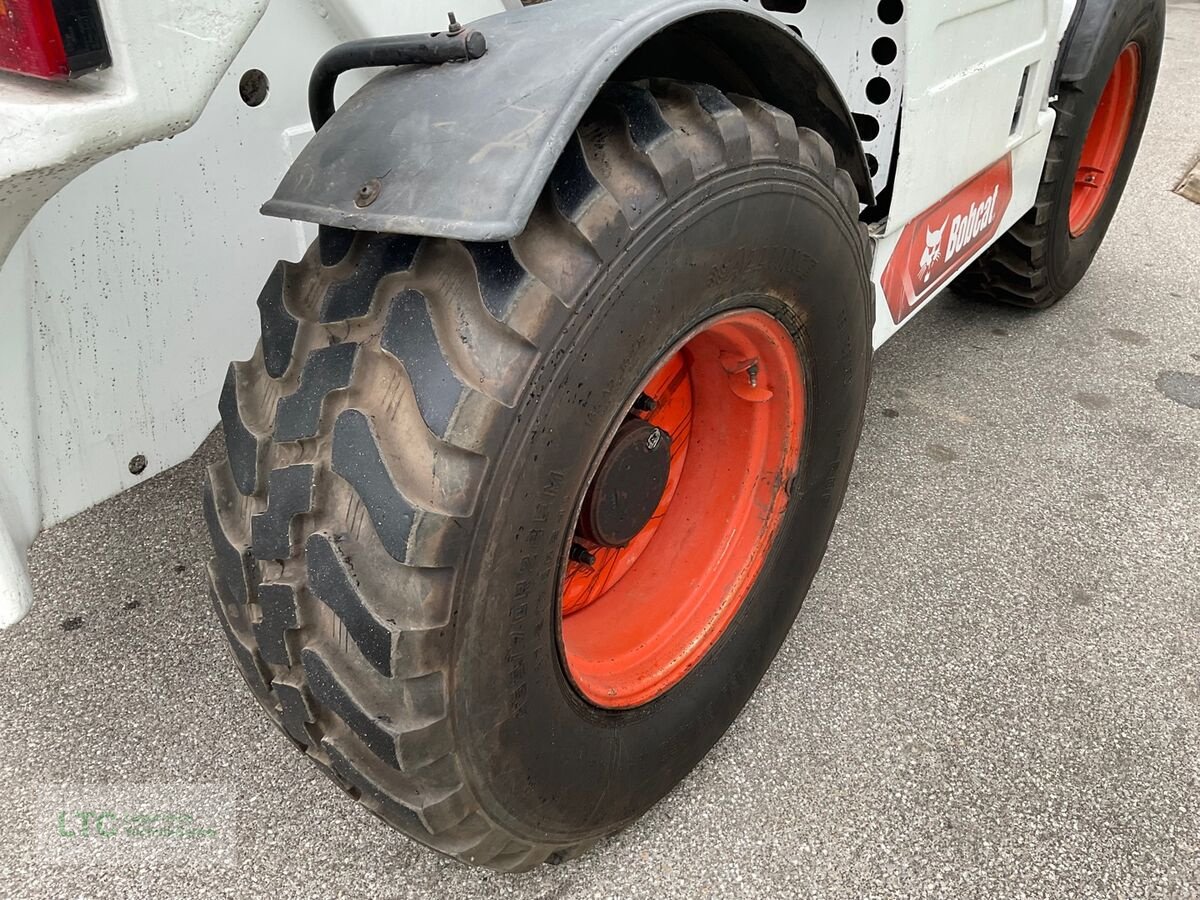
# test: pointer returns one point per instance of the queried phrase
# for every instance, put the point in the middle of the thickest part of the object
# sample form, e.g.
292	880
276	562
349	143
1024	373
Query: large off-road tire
410	447
1099	126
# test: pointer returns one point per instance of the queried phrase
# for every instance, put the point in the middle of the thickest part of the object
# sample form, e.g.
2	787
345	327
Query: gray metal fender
463	150
1084	35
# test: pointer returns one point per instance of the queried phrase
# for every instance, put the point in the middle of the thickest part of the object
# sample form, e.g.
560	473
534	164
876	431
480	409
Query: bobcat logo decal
934	245
933	250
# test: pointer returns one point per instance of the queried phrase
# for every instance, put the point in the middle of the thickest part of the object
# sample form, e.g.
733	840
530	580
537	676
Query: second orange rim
1104	145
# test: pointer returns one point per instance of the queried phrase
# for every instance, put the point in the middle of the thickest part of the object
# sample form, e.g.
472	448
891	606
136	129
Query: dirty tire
409	441
1039	261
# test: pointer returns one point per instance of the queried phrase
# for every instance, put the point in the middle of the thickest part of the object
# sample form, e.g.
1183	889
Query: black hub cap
628	485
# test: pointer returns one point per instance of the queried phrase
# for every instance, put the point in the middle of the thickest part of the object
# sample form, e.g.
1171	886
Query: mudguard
462	150
1085	33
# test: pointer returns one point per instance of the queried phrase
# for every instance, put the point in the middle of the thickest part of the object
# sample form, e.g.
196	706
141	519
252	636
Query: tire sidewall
542	761
1141	23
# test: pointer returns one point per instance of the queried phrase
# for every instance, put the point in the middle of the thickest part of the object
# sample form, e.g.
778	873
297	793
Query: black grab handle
456	45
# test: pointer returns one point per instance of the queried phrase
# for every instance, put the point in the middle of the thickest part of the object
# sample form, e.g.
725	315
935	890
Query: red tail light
52	38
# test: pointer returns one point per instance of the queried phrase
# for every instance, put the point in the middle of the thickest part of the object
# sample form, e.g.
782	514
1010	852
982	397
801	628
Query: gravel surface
993	689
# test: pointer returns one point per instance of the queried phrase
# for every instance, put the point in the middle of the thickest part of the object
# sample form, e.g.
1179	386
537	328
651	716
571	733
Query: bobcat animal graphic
933	250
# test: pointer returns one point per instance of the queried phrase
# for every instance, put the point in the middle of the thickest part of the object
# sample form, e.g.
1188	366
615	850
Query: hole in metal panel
878	91
890	11
1016	120
253	87
868	126
884	51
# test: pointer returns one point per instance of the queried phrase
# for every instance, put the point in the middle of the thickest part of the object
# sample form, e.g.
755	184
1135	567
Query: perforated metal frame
845	36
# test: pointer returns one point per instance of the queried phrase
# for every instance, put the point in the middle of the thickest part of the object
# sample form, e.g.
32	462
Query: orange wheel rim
729	403
1104	145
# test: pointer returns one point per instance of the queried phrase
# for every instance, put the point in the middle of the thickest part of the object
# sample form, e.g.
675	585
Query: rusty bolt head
580	554
645	403
368	193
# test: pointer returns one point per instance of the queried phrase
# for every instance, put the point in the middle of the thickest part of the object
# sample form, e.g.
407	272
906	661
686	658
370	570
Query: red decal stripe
937	243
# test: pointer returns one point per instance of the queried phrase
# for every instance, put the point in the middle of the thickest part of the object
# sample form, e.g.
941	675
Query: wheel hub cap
628	486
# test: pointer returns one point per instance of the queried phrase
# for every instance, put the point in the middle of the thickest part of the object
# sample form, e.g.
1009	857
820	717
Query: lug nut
645	403
580	554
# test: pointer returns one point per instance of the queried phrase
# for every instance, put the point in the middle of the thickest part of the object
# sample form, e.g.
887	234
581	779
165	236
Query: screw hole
253	87
137	465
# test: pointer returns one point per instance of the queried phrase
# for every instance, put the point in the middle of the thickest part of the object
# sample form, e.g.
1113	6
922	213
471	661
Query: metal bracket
457	44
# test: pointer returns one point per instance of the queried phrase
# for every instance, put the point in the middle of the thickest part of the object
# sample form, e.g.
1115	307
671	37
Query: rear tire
1044	256
409	446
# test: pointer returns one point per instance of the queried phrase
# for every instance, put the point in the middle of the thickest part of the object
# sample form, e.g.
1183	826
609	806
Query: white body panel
965	64
126	295
843	34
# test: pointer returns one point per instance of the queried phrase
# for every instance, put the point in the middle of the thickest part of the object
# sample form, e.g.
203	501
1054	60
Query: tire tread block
233	566
351	298
289	493
326	370
331	582
357	459
241	444
409	336
334	243
329	690
296	713
279	326
252	670
278	605
499	274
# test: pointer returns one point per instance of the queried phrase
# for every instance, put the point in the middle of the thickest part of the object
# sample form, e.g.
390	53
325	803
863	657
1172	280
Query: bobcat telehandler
547	428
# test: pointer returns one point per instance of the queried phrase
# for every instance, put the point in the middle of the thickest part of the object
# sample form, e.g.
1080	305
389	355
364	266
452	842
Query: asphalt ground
993	689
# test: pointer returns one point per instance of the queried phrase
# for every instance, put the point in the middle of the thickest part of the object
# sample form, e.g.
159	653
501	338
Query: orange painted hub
1104	145
636	619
